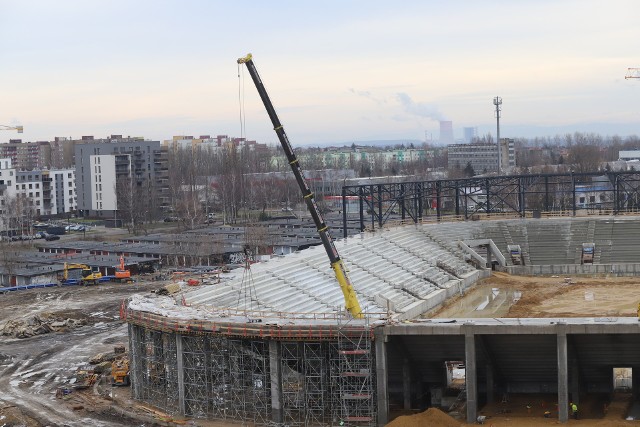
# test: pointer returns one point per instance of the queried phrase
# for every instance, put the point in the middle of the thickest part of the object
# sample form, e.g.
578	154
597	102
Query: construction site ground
503	295
33	369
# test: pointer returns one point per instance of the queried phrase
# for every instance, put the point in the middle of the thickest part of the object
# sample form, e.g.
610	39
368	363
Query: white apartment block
47	192
102	180
7	187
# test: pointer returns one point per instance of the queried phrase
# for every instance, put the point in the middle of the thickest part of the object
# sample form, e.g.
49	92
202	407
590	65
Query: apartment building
27	155
47	192
120	168
482	156
7	189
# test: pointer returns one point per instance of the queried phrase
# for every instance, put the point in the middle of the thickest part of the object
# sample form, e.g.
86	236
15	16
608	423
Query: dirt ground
503	295
33	369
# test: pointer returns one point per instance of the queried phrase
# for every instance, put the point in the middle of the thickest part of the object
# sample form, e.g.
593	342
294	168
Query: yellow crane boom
350	299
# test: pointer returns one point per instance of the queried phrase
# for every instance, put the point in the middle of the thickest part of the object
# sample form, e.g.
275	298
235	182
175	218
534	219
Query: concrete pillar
575	382
406	383
490	383
635	380
180	364
471	376
563	386
275	355
381	377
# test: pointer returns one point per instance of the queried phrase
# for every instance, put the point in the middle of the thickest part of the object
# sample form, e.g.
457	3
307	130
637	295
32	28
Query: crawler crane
351	300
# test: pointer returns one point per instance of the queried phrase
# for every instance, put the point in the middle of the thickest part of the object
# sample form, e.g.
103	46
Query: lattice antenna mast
497	101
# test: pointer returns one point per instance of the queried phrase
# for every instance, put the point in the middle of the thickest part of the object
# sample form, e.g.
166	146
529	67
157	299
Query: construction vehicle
121	274
120	371
79	273
588	250
516	254
351	300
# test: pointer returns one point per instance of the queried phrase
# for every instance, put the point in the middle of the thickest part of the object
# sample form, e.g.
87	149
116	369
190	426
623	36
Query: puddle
482	301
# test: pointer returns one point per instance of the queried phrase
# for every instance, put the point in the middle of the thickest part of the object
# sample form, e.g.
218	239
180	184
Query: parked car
171	219
50	237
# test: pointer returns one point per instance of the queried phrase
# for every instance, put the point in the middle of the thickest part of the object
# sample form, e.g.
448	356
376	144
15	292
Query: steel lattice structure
521	195
213	376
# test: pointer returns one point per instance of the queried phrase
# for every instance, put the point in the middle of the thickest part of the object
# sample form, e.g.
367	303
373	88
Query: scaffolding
153	374
292	384
355	377
219	377
211	375
194	363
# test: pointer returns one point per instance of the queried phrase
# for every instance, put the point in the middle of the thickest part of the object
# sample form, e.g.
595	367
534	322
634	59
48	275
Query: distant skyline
336	71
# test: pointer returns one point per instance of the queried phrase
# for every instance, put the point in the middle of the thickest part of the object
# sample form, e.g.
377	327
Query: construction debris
38	325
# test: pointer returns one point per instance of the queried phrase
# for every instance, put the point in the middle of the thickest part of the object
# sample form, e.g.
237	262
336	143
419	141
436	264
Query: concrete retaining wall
575	269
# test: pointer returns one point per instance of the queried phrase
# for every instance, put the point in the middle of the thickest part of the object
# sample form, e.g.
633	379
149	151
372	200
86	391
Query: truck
515	253
588	250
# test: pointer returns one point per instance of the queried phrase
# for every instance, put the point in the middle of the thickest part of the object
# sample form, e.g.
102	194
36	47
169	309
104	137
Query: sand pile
431	417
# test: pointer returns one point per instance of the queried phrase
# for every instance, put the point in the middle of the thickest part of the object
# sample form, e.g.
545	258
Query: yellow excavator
87	274
350	298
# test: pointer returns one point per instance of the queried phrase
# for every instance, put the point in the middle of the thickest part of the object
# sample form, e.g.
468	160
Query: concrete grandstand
272	345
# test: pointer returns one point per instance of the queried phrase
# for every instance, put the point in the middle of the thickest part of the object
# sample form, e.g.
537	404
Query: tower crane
351	300
18	128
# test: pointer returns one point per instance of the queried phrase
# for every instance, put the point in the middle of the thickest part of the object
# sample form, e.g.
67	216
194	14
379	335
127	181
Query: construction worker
574	410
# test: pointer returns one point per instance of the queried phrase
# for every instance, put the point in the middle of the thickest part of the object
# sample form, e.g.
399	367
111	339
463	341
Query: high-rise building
27	155
446	132
116	172
469	133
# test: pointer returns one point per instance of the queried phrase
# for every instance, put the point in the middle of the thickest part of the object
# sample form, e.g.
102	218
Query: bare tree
584	157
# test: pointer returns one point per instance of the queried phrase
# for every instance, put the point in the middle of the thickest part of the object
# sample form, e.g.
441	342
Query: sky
336	71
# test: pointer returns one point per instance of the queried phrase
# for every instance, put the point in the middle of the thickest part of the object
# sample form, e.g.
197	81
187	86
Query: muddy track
32	369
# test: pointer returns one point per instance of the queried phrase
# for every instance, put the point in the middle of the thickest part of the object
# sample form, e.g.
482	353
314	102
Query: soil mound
431	417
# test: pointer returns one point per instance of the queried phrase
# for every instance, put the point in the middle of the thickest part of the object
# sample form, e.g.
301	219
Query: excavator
121	274
350	298
87	274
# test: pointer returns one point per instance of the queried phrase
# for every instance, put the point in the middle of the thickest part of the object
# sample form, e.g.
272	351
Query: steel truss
614	192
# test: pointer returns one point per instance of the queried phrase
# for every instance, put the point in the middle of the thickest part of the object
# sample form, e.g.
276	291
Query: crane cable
241	101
